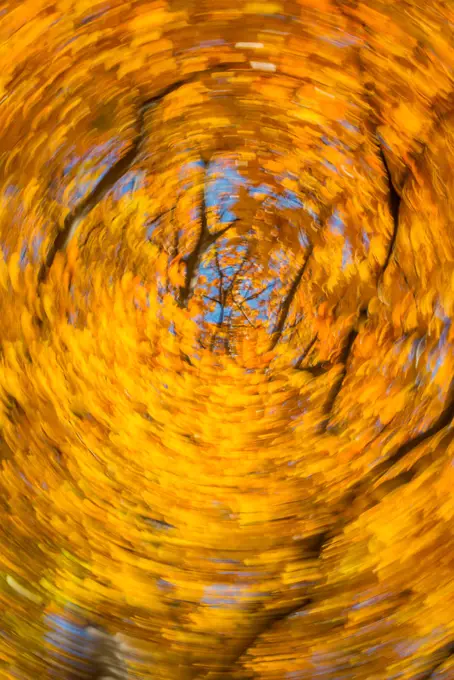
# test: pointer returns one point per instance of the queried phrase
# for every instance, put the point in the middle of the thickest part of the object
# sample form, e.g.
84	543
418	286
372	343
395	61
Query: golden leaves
150	431
158	18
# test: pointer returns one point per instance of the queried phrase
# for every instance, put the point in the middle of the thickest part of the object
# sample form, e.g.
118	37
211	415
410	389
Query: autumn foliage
226	349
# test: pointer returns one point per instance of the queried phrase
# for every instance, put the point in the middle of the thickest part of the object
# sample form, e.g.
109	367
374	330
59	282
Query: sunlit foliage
226	349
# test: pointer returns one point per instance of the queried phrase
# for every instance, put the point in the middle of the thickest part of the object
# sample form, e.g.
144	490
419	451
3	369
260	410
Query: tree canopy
226	349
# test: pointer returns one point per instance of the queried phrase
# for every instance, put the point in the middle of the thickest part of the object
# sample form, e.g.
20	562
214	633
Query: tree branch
444	419
204	241
280	323
370	480
305	353
240	307
192	261
313	548
222	296
344	359
74	218
208	297
156	219
394	208
256	295
217	235
231	289
116	172
445	653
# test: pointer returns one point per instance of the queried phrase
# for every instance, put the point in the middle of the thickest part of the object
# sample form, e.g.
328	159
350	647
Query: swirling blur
226	349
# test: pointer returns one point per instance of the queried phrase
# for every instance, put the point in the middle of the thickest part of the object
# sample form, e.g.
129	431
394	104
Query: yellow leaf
262	8
14	271
177	271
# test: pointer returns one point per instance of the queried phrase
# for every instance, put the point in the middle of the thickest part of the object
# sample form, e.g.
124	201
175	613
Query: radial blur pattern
226	349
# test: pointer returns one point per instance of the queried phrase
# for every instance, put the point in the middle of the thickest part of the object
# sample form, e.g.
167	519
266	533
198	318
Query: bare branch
306	352
256	295
238	271
217	235
157	218
176	242
344	359
208	297
192	261
226	338
394	208
222	296
204	241
279	327
240	307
